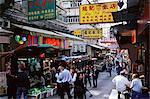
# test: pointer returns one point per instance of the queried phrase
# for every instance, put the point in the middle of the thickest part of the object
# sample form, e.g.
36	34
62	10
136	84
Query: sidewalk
103	89
114	95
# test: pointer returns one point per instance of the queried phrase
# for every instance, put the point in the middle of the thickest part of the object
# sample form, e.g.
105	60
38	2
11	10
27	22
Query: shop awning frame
96	46
69	36
5	32
37	30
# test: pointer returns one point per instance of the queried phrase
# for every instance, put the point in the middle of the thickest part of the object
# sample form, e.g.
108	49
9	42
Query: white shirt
121	82
65	76
74	77
136	85
57	76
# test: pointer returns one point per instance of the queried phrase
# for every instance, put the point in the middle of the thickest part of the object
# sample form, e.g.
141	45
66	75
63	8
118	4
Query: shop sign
97	13
70	43
3	79
20	39
79	48
3	83
41	9
35	40
132	34
77	33
133	39
92	33
66	43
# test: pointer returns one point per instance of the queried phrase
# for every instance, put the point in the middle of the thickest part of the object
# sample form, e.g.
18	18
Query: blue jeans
136	95
21	90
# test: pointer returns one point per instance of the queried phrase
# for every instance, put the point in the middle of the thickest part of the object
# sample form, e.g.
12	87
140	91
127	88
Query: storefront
31	46
143	39
5	51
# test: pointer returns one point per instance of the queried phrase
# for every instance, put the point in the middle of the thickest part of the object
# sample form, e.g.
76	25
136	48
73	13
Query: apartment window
73	19
76	19
75	3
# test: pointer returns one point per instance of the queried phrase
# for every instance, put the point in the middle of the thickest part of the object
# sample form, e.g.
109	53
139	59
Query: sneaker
90	95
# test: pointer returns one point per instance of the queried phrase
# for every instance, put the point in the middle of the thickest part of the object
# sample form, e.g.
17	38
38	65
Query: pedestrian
95	73
22	81
121	83
65	78
53	71
126	72
118	68
140	68
79	88
48	77
136	86
87	73
58	81
11	82
109	68
74	76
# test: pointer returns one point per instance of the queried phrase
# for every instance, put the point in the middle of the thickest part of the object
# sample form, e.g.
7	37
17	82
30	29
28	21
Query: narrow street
52	49
102	91
104	87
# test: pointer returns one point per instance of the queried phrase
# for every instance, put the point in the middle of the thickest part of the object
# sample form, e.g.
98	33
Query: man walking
95	76
121	83
87	73
65	78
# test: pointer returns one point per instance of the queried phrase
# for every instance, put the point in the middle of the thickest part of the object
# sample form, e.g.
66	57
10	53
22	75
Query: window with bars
72	19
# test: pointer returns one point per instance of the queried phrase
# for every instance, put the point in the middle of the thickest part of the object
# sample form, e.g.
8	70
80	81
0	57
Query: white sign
79	48
3	81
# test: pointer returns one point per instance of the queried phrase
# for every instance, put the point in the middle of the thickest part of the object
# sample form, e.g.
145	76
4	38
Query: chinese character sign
92	33
77	32
96	13
41	9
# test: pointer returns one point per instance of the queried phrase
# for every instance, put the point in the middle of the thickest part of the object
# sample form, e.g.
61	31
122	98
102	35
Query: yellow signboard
92	33
96	13
77	33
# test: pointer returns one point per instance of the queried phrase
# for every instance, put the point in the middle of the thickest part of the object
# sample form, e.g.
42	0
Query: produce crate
51	92
3	83
43	94
38	96
3	90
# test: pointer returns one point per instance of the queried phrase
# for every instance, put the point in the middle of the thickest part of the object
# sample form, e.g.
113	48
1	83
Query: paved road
103	89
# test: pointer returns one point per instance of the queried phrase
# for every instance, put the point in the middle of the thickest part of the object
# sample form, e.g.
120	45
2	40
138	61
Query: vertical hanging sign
41	10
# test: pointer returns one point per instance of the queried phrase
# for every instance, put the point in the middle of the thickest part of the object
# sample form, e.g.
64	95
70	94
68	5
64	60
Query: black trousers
11	92
65	87
88	79
119	93
94	82
127	96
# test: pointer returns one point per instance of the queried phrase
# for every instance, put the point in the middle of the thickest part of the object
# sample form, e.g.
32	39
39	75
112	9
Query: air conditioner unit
1	22
1	1
4	23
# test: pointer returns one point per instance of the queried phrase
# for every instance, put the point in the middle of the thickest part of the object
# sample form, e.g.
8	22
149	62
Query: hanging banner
97	13
92	33
41	9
